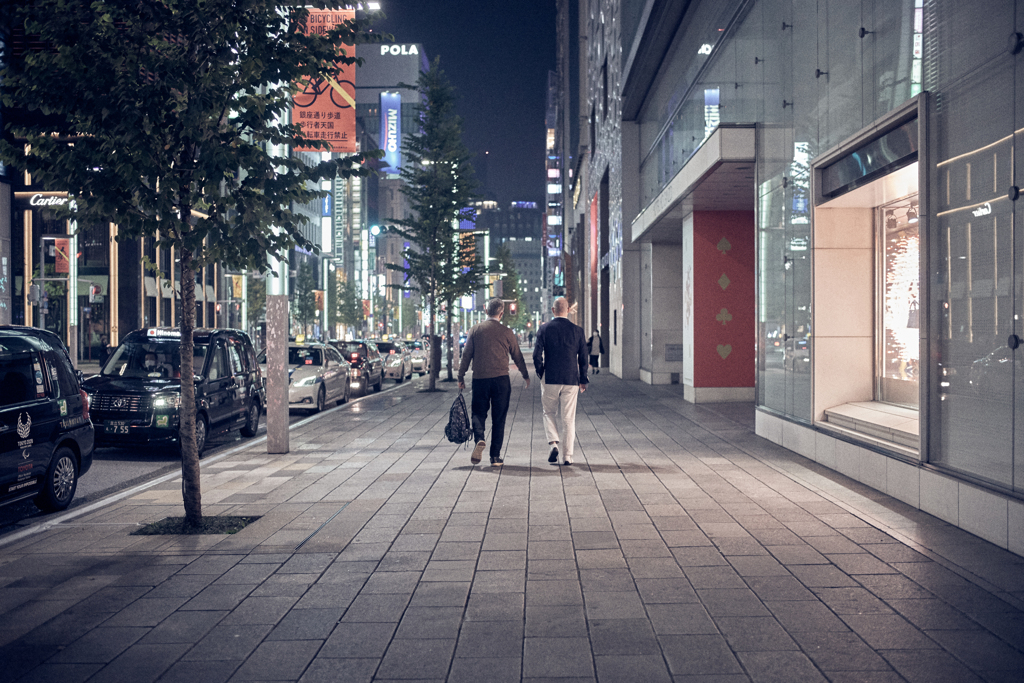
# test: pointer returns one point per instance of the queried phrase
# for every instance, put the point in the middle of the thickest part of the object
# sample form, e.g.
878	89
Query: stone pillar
277	374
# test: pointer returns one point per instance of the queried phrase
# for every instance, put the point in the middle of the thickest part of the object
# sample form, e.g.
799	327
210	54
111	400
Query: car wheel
252	420
61	482
321	400
380	382
401	376
201	431
345	394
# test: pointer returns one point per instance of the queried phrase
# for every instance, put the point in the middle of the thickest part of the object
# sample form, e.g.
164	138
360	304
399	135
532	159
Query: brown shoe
478	452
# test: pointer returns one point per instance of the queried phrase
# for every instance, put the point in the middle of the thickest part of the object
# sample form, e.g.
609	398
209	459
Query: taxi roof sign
162	332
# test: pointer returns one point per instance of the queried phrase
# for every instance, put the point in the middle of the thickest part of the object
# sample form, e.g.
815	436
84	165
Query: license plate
116	427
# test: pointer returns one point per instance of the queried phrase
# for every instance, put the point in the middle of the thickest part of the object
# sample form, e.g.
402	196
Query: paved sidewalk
679	547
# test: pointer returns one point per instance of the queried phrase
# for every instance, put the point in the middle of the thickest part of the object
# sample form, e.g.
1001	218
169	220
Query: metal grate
121	403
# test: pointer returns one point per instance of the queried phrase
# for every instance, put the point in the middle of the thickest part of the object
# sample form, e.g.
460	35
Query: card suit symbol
724	316
724	246
724	351
724	281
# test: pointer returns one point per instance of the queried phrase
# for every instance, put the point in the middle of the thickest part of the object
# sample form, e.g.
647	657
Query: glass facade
814	74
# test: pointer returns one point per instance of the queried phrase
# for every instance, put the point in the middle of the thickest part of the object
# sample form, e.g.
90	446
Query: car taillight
85	403
391	353
355	356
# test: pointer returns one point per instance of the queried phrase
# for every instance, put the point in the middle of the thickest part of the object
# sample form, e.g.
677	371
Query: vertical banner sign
391	131
60	250
236	286
318	295
325	108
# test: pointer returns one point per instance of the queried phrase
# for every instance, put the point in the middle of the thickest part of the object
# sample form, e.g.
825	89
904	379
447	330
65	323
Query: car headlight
307	381
167	401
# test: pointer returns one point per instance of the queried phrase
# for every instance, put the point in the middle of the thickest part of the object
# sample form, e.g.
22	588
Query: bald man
560	358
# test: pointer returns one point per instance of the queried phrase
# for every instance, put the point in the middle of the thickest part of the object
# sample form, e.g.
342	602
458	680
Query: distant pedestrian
489	346
104	350
596	347
560	358
531	338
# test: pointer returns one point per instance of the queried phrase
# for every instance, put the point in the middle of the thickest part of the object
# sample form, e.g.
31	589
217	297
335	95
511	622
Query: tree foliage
440	187
350	306
172	117
304	298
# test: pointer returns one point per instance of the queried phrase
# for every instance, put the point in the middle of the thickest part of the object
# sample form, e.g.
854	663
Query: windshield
156	360
301	356
349	349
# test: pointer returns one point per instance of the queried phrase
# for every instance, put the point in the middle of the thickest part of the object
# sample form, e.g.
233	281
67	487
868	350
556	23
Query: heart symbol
724	351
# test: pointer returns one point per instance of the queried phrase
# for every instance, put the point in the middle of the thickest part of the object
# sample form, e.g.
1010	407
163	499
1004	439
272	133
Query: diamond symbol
724	281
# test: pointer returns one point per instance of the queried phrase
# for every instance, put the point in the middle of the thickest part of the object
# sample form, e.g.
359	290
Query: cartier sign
983	210
36	200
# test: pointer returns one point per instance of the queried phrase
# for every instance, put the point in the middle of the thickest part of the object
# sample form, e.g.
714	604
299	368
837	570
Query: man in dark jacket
560	357
489	347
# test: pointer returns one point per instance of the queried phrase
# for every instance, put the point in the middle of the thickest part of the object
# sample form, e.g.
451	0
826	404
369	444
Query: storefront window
898	303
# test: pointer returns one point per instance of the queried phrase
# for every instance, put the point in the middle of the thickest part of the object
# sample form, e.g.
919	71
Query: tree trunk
190	490
448	336
435	349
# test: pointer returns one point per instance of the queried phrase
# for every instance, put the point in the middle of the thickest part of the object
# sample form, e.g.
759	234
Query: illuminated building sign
391	130
399	50
983	210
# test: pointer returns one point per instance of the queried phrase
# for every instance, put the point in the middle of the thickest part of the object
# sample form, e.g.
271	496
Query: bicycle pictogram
337	89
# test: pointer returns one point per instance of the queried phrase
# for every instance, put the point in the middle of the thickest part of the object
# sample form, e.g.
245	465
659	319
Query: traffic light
512	308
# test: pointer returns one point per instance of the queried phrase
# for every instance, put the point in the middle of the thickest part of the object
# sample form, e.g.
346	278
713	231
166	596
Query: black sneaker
497	462
553	456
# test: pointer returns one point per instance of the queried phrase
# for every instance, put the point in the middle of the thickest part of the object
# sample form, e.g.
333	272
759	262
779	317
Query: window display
899	304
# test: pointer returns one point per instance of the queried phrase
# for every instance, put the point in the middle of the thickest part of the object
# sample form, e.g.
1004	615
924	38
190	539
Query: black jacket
560	354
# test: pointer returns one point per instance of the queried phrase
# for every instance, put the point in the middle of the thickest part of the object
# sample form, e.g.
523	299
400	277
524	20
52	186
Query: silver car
420	352
317	375
397	360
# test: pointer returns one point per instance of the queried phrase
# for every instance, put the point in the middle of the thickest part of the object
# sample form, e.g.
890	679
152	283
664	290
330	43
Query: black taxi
135	398
46	438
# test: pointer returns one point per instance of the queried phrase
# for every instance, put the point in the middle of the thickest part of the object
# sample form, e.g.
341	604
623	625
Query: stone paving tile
681	548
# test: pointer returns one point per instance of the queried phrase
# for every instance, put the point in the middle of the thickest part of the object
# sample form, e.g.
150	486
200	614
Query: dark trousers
491	393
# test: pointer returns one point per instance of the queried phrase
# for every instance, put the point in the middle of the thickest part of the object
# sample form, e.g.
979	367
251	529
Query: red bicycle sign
337	89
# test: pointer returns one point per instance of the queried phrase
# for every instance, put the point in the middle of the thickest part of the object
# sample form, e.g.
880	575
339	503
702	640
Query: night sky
497	54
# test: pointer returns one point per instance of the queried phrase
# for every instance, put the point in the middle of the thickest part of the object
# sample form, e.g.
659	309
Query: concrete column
277	374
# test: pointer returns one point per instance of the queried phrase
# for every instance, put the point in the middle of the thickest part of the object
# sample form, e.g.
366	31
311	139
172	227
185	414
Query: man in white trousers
560	357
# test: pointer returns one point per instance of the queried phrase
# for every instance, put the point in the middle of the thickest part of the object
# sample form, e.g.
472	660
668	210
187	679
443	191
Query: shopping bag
459	429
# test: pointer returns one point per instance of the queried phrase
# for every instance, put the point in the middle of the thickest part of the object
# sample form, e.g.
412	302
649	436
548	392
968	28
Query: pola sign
397	50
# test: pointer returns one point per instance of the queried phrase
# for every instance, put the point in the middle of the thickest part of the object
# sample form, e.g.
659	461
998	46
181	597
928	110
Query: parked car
419	351
317	375
136	397
397	360
367	365
46	436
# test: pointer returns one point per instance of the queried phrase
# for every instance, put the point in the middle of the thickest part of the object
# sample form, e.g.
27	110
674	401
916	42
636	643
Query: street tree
350	306
305	296
167	118
510	288
438	181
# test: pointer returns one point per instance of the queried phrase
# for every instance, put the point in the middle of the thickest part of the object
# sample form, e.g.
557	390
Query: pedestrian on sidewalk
560	358
489	346
596	347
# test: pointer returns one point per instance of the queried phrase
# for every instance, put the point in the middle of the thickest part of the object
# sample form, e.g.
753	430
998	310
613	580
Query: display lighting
902	317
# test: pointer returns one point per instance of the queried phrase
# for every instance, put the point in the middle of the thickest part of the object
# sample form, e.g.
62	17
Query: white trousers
559	402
